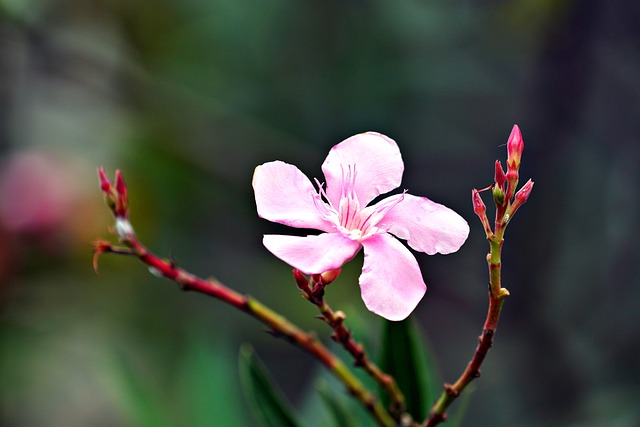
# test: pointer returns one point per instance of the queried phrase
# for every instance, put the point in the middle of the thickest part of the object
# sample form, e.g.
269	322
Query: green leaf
342	416
206	387
268	404
140	400
407	358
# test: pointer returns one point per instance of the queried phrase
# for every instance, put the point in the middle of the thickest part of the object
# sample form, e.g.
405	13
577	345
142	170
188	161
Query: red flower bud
105	184
121	190
478	205
330	276
121	187
481	210
521	197
108	191
301	281
523	194
515	146
500	176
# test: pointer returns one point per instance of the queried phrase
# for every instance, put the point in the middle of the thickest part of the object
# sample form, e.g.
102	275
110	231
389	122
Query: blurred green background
187	97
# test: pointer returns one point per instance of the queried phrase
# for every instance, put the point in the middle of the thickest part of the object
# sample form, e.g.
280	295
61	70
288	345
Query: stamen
349	205
376	215
324	206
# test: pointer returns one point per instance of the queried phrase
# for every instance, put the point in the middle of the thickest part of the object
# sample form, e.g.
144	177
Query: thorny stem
314	292
279	325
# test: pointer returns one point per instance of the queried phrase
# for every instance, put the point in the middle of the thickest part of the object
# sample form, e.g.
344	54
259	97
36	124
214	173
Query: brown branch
116	199
313	290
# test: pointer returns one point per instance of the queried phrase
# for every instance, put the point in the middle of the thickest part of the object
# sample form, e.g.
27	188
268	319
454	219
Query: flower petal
426	225
312	254
391	282
286	196
376	161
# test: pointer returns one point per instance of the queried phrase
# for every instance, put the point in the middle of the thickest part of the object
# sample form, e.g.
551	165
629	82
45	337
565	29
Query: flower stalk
313	290
506	205
116	199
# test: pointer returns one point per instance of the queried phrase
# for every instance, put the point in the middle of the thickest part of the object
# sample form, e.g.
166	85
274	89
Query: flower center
349	209
353	222
350	219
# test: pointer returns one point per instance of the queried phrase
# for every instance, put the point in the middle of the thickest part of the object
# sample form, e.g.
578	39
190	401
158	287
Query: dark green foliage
406	357
268	404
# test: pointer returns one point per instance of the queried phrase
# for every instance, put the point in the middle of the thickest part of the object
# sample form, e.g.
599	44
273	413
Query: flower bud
481	210
105	184
523	194
301	281
478	205
330	276
512	183
515	146
121	190
108	191
498	195
521	197
499	177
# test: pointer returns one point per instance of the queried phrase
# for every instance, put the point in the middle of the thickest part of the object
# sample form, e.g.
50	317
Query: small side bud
121	187
521	197
498	195
301	281
105	184
107	189
481	210
523	194
478	205
500	176
329	276
121	190
515	146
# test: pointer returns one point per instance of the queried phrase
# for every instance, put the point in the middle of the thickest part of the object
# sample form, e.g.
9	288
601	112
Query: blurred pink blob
36	193
45	195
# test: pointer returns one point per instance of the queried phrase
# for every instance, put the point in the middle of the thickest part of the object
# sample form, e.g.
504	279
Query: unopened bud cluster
116	198
504	186
313	289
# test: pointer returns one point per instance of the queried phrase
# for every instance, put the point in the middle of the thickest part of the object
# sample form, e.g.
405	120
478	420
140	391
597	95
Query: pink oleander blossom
357	170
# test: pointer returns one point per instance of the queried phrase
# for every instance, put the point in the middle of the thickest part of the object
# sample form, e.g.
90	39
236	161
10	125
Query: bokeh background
187	97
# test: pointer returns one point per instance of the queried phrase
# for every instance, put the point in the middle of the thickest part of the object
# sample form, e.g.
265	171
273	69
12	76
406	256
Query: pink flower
358	170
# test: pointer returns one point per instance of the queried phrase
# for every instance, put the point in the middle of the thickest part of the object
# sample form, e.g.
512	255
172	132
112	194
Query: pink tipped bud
121	190
105	184
121	187
478	205
301	281
515	146
108	191
521	197
512	183
481	210
500	176
330	276
523	194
